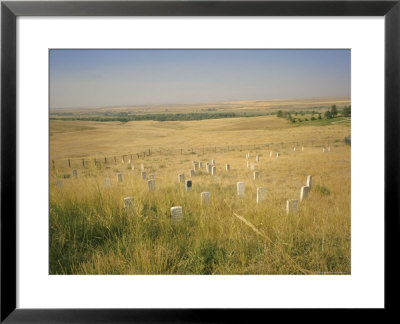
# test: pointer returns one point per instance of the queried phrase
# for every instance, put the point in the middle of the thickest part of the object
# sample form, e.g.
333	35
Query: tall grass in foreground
91	232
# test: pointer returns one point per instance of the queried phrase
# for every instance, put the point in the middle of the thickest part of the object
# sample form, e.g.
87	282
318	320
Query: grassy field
92	233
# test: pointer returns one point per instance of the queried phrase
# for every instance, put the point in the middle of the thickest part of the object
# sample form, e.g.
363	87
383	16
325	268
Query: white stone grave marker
251	166
60	183
176	214
128	202
261	194
119	177
292	206
255	175
152	184
228	167
181	178
75	173
309	181
191	173
205	198
143	174
108	182
240	188
304	192
214	171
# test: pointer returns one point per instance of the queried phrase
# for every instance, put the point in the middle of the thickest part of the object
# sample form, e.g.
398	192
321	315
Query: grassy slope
91	234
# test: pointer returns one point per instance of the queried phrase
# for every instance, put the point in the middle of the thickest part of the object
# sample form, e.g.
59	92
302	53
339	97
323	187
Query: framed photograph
197	160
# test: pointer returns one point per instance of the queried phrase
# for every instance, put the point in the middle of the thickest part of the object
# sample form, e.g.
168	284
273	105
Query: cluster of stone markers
291	204
176	211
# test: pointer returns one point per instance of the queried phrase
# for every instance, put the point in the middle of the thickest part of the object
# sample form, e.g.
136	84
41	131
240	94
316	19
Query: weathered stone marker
255	175
176	214
191	173
108	182
129	161
304	192
205	198
294	149
141	166
200	165
128	202
213	162
119	177
152	184
152	176
270	154
75	173
208	167
195	166
257	158
251	166
240	188
309	181
132	167
302	148
188	185
214	171
329	149
143	174
228	167
261	194
277	154
181	178
60	183
292	206
247	156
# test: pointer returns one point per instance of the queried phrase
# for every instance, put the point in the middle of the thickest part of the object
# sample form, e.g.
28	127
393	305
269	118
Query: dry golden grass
90	233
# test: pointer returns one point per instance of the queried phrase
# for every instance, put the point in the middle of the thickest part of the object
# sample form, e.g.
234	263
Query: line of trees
161	117
329	114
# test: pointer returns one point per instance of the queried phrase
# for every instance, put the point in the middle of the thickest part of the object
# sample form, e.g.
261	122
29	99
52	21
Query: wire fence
74	162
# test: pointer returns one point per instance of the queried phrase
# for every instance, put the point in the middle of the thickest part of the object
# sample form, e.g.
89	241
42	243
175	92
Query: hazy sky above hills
101	78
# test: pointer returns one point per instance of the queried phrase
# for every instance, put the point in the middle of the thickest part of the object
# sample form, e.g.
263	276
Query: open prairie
92	231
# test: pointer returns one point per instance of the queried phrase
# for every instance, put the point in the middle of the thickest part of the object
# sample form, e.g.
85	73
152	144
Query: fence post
83	162
53	164
69	163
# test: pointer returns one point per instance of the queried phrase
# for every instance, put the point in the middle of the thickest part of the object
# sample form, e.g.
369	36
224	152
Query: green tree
346	112
279	113
328	114
334	111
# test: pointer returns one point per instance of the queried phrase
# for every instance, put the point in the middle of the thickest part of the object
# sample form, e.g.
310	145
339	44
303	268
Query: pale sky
107	78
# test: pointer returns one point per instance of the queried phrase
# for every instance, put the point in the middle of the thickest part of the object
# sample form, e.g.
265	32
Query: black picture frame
10	10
